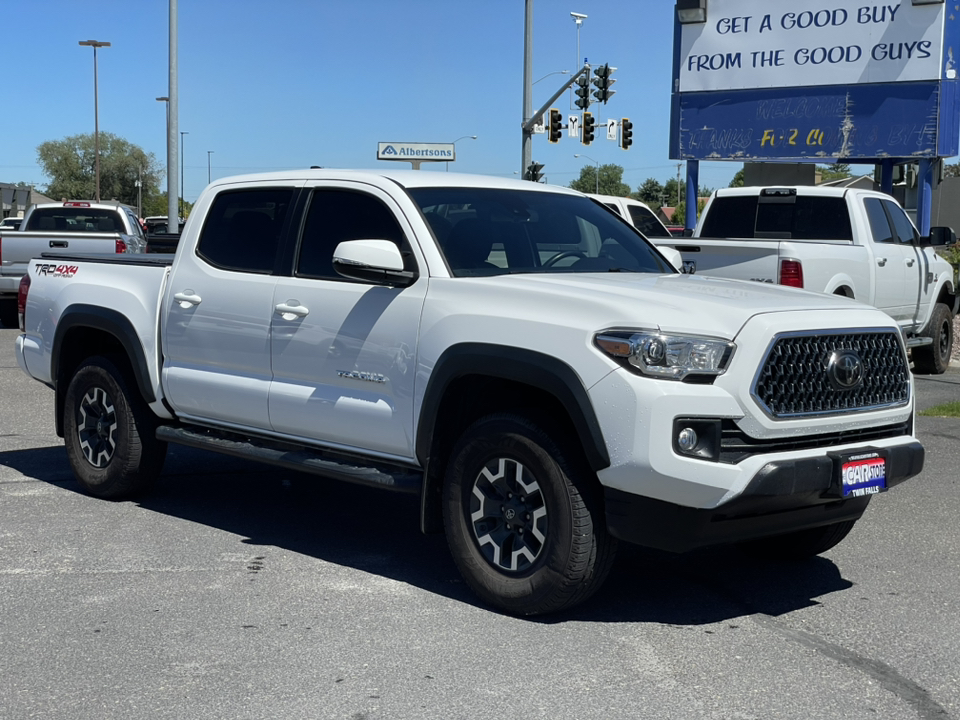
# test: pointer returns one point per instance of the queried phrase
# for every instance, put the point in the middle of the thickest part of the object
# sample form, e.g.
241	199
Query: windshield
485	231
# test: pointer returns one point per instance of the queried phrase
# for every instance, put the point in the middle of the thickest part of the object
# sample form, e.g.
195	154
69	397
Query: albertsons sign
796	43
415	151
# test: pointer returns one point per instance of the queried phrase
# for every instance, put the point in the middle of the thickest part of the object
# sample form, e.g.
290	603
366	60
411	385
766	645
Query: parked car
636	213
513	353
10	223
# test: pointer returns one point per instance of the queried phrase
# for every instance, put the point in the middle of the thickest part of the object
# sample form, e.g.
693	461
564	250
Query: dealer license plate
863	474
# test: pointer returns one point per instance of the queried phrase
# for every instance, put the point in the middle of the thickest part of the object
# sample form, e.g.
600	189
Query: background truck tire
800	544
8	314
935	358
109	432
524	522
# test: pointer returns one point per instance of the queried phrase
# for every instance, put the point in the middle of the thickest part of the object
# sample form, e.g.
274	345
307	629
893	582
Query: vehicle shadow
377	532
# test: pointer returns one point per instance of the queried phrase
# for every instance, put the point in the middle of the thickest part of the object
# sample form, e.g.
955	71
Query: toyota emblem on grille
845	369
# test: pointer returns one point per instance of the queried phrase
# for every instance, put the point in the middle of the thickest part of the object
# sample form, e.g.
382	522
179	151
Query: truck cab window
336	216
242	229
879	224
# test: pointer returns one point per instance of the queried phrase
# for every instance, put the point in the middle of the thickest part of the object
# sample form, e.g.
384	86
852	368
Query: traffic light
604	81
534	172
583	92
555	131
626	133
589	125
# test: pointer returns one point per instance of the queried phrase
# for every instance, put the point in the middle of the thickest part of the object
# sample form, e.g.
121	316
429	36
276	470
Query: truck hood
676	303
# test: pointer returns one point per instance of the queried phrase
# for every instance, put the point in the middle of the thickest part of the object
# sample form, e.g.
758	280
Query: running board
296	457
919	341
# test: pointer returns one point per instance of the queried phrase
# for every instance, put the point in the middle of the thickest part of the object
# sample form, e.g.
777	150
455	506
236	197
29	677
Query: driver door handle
881	261
909	262
292	307
187	297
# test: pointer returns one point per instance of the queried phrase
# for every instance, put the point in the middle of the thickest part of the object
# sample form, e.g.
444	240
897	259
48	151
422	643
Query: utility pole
96	113
173	127
527	142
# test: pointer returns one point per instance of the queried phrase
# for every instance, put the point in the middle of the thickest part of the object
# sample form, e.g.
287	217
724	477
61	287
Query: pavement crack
891	680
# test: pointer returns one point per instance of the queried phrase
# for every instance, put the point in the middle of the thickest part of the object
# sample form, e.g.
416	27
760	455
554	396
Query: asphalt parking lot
240	591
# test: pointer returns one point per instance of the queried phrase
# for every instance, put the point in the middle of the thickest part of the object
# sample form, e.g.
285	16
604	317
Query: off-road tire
109	432
800	544
935	358
508	476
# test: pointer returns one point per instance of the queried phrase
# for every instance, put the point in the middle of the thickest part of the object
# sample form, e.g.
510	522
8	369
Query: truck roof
800	190
404	178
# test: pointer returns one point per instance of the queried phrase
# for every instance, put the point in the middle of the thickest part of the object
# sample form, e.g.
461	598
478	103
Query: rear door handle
292	307
187	297
909	262
881	261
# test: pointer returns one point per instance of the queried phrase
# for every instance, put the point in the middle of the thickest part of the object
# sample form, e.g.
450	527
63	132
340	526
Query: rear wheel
935	358
800	544
109	432
523	520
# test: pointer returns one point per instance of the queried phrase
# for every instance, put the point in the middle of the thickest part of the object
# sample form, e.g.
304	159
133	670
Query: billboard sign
817	81
811	42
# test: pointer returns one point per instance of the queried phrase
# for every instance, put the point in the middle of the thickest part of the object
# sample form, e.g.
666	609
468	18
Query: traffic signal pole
526	155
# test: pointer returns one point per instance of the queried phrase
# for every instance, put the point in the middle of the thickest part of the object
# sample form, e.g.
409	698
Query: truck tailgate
19	247
123	292
738	259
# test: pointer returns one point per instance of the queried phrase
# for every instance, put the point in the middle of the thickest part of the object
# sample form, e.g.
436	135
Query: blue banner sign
818	124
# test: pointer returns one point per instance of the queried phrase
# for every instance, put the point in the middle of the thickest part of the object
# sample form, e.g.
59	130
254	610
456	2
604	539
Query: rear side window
242	229
336	216
646	222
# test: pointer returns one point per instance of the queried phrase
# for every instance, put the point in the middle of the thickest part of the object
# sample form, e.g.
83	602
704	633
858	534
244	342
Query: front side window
486	231
336	216
879	224
904	229
646	222
242	229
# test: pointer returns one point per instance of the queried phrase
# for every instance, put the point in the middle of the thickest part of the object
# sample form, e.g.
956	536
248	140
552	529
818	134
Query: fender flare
841	280
529	367
111	322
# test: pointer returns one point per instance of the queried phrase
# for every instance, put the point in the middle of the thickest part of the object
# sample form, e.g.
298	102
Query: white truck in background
636	213
70	227
850	242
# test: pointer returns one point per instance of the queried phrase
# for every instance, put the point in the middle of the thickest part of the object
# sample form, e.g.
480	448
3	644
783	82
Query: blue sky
294	83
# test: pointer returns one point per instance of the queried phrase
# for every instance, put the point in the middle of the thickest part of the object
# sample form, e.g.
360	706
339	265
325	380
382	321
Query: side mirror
673	255
688	232
939	237
373	261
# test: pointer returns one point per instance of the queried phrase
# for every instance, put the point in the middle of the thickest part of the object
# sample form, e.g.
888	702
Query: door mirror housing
372	261
939	237
673	255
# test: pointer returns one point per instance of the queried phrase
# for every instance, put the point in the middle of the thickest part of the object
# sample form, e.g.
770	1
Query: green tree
680	216
952	170
71	163
651	192
836	171
610	181
737	180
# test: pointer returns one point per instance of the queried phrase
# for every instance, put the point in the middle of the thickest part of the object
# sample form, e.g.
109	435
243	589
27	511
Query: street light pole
96	113
182	133
578	155
454	143
209	153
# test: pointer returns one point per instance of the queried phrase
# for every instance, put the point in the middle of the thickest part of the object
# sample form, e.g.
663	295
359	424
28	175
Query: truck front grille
807	374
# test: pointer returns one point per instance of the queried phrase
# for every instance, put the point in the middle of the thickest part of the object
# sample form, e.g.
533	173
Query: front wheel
524	522
935	357
109	432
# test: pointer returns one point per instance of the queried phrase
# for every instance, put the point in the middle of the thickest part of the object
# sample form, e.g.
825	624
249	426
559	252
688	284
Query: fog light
687	439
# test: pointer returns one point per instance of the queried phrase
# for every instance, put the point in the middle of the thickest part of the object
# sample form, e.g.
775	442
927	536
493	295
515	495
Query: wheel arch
87	330
471	380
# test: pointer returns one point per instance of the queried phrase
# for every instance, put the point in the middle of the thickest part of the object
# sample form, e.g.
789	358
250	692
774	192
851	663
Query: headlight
667	356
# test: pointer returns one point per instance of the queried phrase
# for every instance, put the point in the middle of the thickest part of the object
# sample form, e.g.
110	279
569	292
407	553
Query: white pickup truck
71	226
841	241
513	353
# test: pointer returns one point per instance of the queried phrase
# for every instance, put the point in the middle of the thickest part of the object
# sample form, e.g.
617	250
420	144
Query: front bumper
784	496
